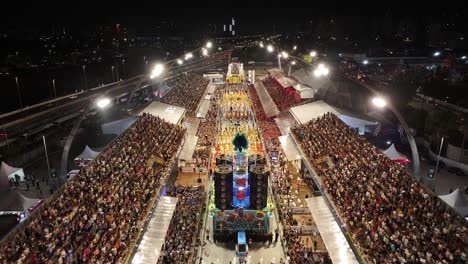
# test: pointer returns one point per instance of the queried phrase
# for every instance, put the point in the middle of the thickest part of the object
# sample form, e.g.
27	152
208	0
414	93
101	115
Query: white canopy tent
12	200
394	155
457	201
87	155
9	172
305	113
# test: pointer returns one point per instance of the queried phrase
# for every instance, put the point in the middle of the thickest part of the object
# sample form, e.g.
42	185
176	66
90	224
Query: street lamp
284	54
436	54
123	68
180	62
295	48
261	45
84	74
209	45
103	102
156	72
19	93
279	61
313	53
112	69
381	103
205	52
53	84
365	62
270	48
321	70
289	70
188	56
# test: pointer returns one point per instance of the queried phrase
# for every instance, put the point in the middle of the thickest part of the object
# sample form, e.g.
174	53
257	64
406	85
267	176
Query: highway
39	117
23	122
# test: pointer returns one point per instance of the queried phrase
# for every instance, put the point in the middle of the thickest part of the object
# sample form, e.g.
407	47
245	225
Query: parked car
456	171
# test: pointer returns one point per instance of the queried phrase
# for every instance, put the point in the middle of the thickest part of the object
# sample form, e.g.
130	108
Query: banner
304	230
299	210
241	220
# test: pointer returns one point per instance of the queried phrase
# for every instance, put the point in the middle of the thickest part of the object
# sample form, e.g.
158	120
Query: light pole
47	159
112	69
19	93
53	84
123	67
381	103
289	70
279	62
438	159
84	75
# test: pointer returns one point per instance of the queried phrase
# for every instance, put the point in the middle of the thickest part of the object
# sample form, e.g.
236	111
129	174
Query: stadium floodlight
270	48
103	102
379	102
321	70
157	70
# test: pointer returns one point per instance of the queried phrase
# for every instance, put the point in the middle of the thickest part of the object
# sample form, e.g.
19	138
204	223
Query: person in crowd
187	92
97	215
282	100
182	238
392	218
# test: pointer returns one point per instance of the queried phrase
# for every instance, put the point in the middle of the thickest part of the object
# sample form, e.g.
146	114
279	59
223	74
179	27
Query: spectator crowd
282	100
391	217
187	92
183	236
97	215
267	126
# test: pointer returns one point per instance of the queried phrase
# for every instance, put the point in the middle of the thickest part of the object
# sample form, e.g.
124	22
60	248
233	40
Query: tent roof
7	169
457	201
300	87
315	83
87	154
170	113
393	154
275	72
12	200
305	113
285	82
290	148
